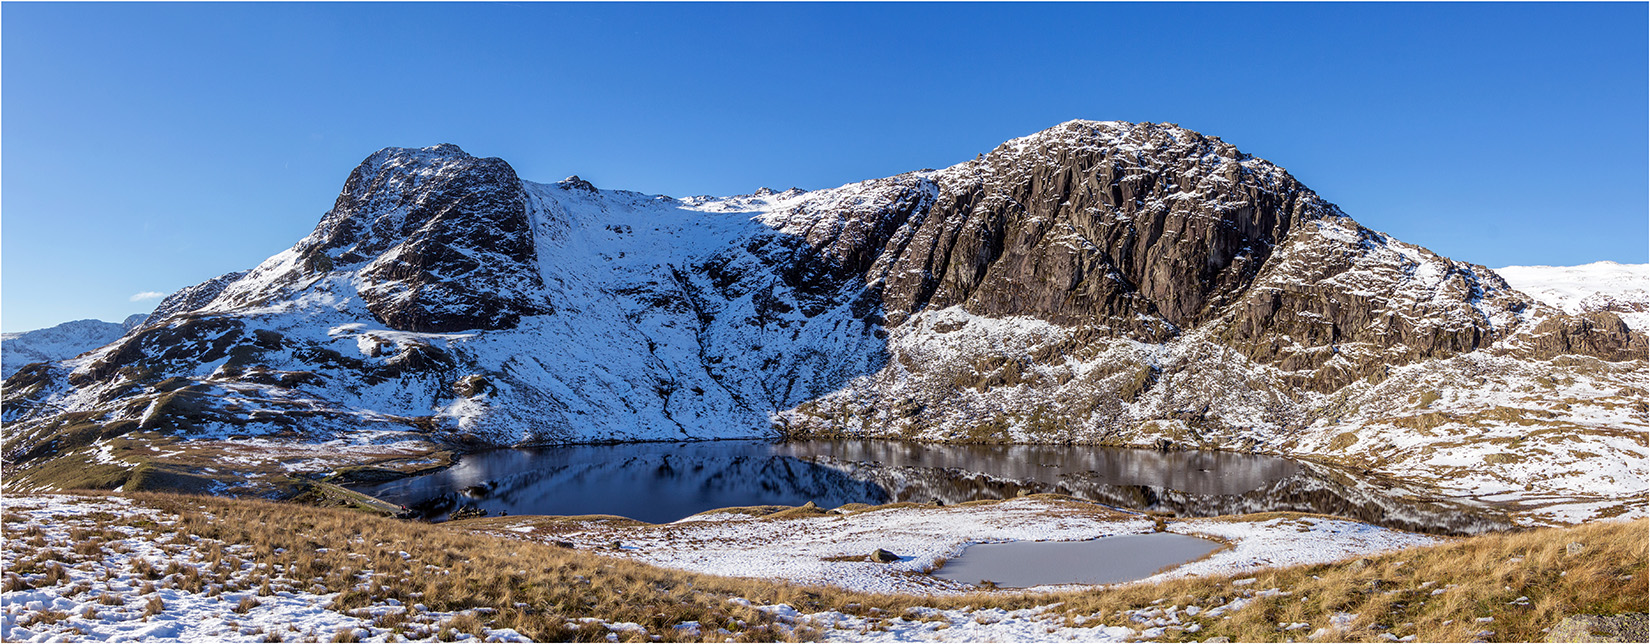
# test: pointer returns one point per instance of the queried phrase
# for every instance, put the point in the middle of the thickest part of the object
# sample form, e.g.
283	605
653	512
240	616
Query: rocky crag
1097	282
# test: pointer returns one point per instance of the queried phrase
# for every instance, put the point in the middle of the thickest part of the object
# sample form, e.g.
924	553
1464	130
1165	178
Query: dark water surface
1110	560
662	482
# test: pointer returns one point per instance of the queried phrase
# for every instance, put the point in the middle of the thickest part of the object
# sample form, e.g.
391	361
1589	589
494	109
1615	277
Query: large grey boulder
1627	627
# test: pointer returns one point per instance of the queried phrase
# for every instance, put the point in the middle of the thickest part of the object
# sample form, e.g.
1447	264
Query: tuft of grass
43	617
247	604
55	574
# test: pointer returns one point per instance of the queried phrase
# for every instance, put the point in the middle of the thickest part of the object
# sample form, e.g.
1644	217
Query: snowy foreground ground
108	598
832	549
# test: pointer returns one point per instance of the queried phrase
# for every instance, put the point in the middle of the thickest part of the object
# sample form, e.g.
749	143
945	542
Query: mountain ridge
1097	282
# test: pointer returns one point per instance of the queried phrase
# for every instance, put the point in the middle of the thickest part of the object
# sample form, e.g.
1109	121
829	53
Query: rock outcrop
1599	334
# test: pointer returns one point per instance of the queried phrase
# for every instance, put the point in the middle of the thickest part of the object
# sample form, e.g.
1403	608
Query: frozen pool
1109	560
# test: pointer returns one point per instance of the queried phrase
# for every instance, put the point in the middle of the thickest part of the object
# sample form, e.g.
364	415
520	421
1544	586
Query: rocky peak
433	238
575	183
1107	223
398	192
1146	231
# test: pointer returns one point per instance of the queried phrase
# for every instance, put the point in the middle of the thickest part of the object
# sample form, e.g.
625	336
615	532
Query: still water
1101	561
662	482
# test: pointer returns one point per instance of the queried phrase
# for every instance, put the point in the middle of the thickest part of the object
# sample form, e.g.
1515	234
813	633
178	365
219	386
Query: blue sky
147	147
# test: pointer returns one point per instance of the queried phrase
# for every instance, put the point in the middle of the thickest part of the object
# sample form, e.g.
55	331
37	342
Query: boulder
1626	627
467	512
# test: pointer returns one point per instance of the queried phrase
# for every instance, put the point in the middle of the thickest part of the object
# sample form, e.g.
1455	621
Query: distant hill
60	342
1622	289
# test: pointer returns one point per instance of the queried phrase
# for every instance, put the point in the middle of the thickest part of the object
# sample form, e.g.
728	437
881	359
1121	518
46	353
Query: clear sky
147	147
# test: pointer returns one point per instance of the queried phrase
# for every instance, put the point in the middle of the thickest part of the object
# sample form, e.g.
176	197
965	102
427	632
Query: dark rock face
174	346
441	240
445	238
1100	223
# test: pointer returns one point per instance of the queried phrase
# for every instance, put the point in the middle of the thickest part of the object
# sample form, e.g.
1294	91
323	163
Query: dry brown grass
536	589
543	591
246	605
1480	577
1390	594
43	617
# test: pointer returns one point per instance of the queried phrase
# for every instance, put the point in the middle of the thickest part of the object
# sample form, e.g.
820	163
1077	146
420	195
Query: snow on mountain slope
1622	289
658	319
1097	282
60	342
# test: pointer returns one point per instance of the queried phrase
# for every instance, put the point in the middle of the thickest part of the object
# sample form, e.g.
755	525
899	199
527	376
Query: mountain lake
660	482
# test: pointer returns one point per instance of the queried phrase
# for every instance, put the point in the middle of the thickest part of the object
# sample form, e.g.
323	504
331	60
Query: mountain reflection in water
662	482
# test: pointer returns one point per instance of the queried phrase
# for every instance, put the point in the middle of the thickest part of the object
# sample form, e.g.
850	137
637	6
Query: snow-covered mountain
1097	282
1621	289
60	342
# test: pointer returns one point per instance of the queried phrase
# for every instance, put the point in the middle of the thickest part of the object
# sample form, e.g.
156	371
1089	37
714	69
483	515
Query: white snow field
1623	289
832	549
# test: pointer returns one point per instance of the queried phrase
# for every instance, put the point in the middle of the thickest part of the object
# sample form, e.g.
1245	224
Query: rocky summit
1097	282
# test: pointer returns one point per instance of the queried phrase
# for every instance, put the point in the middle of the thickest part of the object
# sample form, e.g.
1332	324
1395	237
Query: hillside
1097	282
